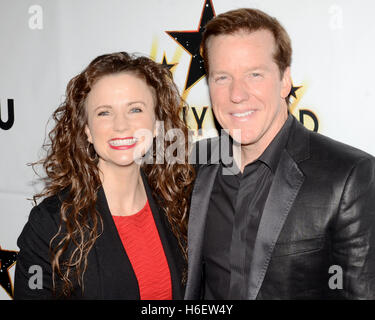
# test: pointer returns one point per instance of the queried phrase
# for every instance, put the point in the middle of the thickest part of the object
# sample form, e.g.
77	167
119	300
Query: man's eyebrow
212	73
259	67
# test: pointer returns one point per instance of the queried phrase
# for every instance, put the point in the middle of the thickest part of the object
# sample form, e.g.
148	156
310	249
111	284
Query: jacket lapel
169	242
197	221
116	275
285	187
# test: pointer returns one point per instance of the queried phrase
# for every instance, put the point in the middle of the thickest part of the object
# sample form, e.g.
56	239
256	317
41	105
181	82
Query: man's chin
242	141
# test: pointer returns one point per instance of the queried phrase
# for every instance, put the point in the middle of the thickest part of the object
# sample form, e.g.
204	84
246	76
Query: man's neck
251	152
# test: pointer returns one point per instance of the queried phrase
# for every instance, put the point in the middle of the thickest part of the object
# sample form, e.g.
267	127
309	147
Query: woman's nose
120	123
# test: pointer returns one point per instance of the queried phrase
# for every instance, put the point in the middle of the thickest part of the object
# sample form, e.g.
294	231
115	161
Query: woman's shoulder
42	224
48	210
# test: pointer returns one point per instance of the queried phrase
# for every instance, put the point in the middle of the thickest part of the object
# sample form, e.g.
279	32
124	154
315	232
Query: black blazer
109	273
320	212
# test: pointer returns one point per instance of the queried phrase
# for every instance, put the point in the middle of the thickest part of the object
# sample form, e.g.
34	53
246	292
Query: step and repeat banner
44	43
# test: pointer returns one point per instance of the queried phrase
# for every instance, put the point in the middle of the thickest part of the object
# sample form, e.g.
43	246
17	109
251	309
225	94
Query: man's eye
255	74
221	78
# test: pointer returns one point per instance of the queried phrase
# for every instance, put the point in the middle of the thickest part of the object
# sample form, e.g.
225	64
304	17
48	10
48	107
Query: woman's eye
103	113
135	110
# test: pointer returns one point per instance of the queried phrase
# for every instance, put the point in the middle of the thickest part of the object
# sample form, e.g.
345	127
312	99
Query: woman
110	227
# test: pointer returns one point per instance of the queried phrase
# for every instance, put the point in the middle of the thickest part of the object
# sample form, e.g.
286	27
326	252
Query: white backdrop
44	43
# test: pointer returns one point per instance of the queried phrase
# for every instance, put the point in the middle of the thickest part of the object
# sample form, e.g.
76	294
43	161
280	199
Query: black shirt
234	212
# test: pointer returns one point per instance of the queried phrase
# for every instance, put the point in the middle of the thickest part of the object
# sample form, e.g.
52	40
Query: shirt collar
270	155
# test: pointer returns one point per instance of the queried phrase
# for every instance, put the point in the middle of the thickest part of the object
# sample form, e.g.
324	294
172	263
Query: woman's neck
124	189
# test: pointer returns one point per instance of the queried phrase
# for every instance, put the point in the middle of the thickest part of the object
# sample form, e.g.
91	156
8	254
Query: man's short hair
249	20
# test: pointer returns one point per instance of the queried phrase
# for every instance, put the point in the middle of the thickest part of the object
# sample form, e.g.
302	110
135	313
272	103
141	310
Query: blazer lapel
116	274
285	187
169	242
197	221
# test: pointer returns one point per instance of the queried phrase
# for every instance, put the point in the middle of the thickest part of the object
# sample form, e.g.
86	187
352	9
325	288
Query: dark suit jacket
109	274
320	212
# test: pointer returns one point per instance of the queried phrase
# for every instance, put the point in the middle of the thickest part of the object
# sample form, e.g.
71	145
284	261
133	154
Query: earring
89	153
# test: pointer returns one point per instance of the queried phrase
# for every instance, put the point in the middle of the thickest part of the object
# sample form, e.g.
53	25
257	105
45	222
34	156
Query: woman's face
121	119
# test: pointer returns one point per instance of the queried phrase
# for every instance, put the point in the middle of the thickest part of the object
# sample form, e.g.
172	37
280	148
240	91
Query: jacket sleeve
353	245
33	268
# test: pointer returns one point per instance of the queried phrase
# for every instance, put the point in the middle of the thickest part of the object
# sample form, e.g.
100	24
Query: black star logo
190	41
293	91
164	62
7	260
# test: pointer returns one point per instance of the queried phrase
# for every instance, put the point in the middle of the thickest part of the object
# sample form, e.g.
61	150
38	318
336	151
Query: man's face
246	89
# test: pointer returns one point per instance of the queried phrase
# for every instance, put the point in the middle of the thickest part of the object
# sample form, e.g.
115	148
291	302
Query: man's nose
238	91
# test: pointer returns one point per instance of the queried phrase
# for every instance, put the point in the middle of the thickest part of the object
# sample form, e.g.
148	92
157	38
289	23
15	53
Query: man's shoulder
320	155
327	149
313	147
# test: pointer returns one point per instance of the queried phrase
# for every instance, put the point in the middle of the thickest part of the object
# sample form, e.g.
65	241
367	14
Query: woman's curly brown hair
70	167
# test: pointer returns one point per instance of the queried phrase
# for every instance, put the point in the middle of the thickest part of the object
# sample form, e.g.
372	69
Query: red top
142	244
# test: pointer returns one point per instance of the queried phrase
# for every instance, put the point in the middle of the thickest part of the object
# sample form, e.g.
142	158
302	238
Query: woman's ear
88	133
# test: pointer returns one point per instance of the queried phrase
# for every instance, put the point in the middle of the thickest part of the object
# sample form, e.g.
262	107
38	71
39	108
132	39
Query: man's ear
88	133
286	83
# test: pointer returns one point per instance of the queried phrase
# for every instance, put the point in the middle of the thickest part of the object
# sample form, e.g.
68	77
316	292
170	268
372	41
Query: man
297	219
